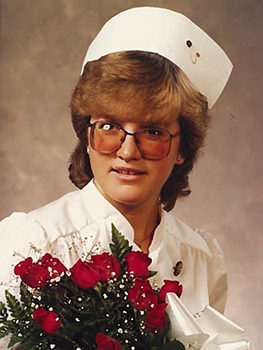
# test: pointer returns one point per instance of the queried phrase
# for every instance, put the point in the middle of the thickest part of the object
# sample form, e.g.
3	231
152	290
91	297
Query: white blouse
71	226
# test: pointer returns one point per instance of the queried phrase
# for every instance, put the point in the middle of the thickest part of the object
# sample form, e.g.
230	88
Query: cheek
95	162
100	163
163	171
168	163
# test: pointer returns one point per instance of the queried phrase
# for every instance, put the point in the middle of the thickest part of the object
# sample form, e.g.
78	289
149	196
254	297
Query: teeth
127	172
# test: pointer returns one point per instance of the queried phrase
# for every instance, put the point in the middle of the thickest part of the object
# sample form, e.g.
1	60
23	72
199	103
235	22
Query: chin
127	200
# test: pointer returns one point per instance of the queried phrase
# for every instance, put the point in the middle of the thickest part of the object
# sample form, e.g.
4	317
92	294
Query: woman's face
124	178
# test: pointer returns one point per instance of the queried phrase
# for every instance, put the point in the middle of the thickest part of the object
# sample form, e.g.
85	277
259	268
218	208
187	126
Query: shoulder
18	234
195	238
64	215
18	224
211	242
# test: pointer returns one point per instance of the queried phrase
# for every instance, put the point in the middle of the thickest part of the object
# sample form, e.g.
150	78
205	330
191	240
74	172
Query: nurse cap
171	35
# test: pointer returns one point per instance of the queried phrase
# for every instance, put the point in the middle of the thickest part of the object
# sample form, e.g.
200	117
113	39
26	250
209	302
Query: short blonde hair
146	85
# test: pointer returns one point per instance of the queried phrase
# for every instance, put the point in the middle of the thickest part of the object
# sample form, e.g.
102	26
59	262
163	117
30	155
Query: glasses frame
93	125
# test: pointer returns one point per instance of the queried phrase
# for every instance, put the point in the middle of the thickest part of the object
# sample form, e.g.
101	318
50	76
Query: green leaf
172	345
4	332
26	296
31	340
71	329
152	273
14	305
120	246
14	340
3	311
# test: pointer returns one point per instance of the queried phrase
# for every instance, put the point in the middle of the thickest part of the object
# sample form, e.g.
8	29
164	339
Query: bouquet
105	302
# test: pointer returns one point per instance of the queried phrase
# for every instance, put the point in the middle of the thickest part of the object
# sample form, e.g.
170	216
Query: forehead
134	113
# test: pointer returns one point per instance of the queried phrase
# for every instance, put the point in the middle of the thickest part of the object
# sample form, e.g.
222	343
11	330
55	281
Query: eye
151	132
106	126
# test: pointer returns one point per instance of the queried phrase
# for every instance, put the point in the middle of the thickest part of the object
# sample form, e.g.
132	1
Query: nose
129	149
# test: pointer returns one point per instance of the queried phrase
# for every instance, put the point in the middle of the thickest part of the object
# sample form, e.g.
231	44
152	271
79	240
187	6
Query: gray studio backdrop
43	43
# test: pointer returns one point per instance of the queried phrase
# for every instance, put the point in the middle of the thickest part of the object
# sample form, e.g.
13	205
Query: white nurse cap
171	35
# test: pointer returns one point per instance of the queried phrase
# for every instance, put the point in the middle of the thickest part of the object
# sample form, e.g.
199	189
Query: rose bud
53	265
32	274
170	287
106	343
137	264
156	320
107	266
142	296
49	320
84	274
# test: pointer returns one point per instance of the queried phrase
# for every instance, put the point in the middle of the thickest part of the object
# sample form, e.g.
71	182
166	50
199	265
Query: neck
144	219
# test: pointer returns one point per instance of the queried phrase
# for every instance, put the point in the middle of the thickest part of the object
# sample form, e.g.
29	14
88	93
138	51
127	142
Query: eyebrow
154	124
142	125
109	118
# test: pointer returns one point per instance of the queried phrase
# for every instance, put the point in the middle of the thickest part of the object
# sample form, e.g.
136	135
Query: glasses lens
106	137
153	143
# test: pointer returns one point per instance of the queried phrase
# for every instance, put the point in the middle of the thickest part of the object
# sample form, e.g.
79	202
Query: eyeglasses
153	143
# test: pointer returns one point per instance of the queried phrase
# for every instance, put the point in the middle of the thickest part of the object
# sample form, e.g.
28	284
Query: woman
141	115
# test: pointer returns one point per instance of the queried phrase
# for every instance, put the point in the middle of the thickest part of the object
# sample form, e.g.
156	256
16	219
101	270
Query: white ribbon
208	330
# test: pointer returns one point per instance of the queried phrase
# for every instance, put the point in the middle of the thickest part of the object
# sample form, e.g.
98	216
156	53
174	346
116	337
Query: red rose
84	274
137	264
32	274
23	266
170	287
54	265
49	320
107	265
142	296
156	319
106	343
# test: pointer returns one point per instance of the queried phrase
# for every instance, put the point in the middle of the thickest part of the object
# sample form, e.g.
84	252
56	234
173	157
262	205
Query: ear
179	159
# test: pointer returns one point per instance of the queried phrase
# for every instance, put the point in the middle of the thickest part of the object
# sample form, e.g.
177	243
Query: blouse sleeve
217	277
19	234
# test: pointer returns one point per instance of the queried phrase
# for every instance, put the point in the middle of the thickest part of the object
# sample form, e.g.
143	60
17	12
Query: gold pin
178	268
193	57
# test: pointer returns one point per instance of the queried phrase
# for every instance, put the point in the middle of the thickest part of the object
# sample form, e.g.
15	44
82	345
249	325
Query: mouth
128	171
